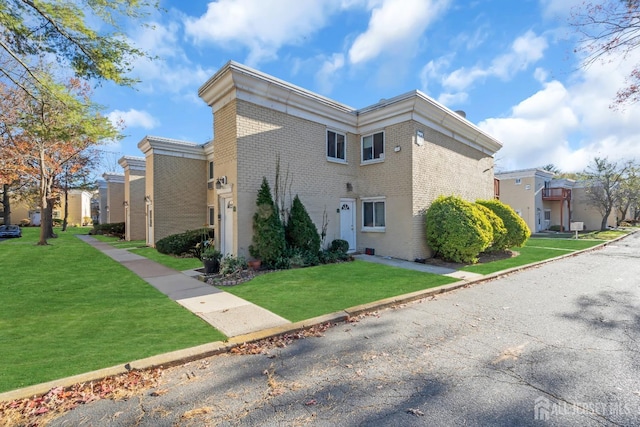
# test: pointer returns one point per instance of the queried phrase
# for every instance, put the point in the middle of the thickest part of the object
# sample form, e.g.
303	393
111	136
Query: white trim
172	147
132	163
236	81
117	178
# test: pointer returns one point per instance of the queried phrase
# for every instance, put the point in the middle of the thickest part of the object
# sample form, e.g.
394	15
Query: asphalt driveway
554	345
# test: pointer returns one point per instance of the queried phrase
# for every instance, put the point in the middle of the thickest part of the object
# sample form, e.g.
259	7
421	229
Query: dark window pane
340	147
368	214
367	148
331	144
379	214
378	145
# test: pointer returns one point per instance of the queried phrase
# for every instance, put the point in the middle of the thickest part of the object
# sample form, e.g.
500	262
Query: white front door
226	225
348	222
149	225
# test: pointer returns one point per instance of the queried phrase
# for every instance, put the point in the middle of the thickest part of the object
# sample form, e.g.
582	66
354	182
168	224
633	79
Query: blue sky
510	65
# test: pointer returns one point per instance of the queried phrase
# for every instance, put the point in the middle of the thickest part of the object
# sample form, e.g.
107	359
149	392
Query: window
373	214
210	171
373	147
547	215
212	217
518	181
336	146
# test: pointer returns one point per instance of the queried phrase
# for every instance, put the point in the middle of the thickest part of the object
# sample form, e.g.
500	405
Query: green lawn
535	250
168	260
68	309
139	247
300	294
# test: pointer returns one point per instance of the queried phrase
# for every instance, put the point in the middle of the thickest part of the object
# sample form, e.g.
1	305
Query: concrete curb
210	349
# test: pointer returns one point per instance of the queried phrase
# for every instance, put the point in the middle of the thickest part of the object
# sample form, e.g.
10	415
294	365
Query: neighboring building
545	202
366	176
102	202
134	193
79	208
115	198
175	187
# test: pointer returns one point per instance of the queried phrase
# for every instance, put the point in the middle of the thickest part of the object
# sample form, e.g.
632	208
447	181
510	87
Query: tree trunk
66	208
603	225
49	214
6	203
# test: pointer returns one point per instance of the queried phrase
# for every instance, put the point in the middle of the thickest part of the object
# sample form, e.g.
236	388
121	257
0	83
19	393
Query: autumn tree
610	29
603	179
65	31
52	129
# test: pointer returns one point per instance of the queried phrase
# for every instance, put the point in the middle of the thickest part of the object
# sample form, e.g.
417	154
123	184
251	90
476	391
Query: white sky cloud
326	75
525	50
261	26
394	24
133	118
570	124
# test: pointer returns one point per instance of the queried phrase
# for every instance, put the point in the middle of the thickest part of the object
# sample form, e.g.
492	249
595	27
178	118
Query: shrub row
459	231
183	243
112	229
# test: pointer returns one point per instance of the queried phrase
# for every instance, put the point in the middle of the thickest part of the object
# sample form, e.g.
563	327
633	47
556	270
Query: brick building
365	175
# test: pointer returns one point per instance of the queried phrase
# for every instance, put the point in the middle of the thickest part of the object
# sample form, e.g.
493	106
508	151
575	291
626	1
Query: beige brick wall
149	192
263	134
136	211
115	198
443	166
179	194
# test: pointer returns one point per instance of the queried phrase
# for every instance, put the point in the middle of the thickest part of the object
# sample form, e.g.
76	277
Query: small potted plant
211	259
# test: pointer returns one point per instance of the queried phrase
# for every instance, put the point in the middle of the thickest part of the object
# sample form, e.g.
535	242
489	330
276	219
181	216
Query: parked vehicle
10	231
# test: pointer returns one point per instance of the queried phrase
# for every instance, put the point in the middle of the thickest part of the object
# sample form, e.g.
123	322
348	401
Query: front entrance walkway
425	268
228	313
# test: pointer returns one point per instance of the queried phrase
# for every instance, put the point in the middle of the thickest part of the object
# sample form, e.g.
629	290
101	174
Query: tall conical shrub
301	233
269	242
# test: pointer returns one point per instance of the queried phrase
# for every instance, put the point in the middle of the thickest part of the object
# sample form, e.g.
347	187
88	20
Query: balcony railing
556	194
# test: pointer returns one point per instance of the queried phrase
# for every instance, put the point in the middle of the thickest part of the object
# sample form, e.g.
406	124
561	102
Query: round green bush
499	231
517	230
457	230
182	243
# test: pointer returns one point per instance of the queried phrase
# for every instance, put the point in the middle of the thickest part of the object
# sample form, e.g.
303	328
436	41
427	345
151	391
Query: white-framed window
518	181
336	146
211	216
372	147
210	172
547	215
374	214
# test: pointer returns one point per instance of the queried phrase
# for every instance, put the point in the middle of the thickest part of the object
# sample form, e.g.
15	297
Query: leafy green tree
63	29
457	230
269	244
517	229
301	233
48	131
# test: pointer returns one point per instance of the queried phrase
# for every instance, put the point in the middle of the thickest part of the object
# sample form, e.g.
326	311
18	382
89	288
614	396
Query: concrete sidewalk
229	314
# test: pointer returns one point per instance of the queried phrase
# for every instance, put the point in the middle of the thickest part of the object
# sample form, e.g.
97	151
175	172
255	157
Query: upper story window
518	181
336	146
210	171
373	147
